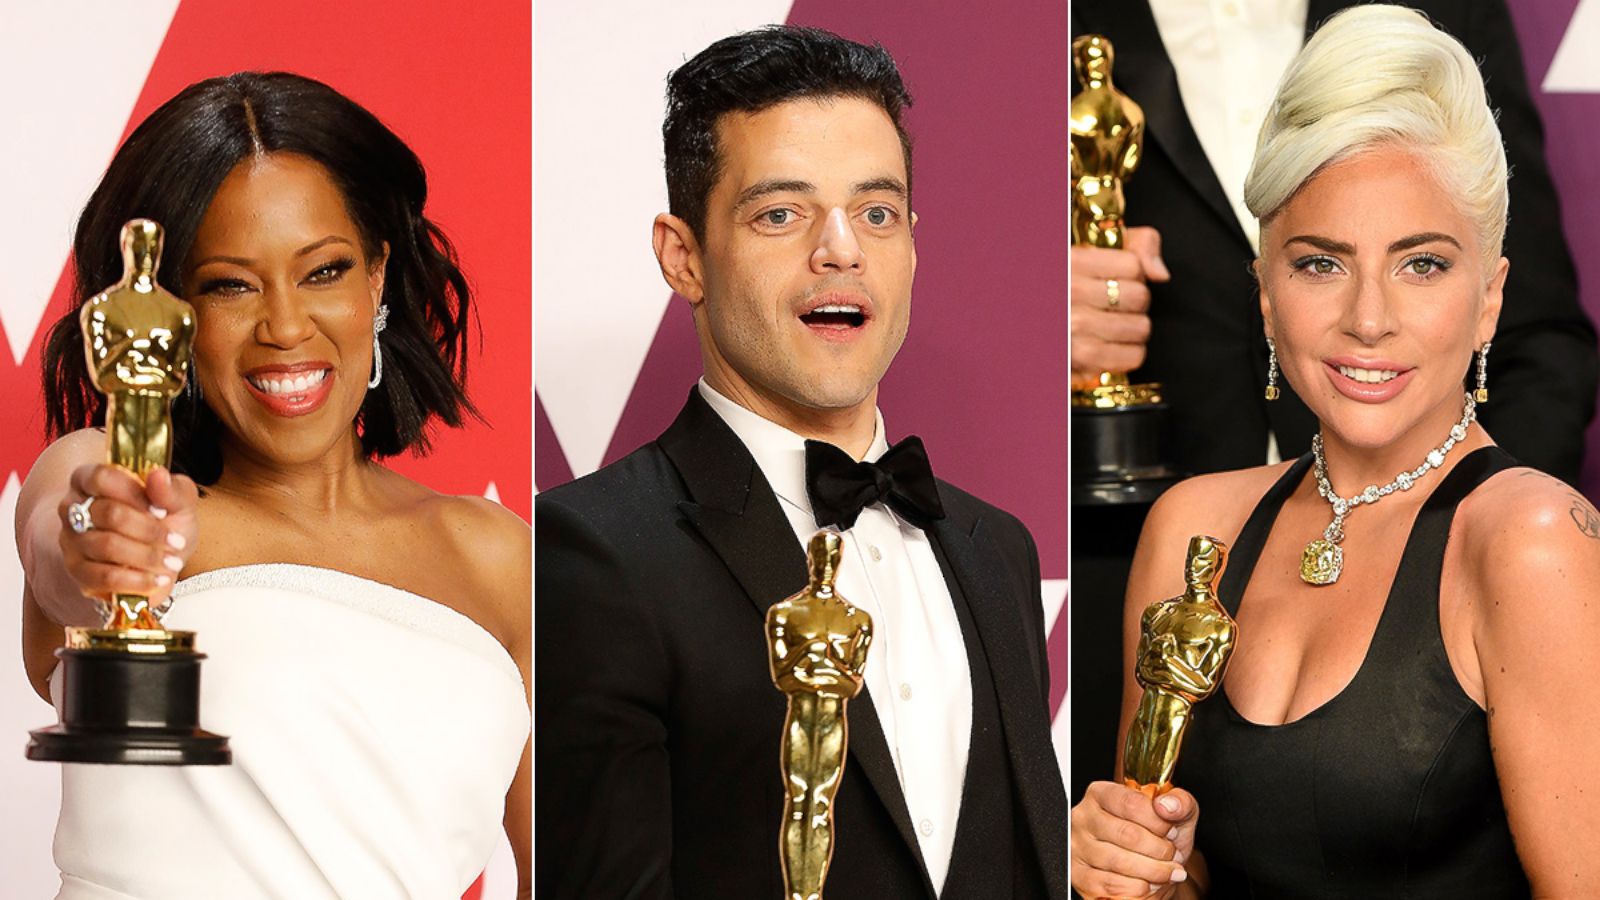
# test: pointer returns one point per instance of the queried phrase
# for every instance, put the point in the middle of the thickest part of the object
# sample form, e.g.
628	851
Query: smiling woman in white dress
368	639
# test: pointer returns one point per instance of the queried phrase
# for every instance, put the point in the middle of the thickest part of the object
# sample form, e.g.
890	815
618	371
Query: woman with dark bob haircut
367	638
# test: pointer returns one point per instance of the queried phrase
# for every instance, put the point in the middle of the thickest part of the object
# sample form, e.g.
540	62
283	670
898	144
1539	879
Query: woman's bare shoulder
492	549
1217	504
1525	527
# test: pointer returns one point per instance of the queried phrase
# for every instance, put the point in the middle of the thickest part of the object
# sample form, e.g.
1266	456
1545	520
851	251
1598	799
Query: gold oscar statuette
1118	426
817	645
1184	644
131	687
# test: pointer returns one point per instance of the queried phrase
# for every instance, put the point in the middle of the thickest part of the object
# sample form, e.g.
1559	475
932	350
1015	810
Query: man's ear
678	254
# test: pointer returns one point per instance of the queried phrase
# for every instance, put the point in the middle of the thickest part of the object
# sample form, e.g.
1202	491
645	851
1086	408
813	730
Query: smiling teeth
837	308
1368	376
298	384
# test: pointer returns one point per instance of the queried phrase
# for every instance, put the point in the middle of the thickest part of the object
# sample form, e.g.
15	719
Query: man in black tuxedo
1188	270
657	726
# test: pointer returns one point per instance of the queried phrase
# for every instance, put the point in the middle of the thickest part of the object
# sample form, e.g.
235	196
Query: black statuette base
1118	455
130	709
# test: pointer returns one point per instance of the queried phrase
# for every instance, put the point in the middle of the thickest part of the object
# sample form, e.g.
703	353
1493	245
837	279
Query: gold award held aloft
1106	143
1184	645
131	688
137	340
817	645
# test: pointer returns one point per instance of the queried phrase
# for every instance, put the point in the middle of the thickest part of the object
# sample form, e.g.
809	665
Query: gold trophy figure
136	339
1107	137
131	687
1117	426
817	644
1184	644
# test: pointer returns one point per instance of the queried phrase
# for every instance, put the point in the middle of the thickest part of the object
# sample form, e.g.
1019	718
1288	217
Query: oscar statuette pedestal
1119	428
131	689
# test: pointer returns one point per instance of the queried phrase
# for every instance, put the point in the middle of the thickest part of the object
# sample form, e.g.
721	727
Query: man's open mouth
835	315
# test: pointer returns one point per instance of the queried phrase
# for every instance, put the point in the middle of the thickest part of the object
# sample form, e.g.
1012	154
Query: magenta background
1572	132
982	377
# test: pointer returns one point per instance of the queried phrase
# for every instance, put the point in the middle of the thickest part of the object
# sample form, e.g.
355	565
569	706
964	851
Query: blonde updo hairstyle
1374	75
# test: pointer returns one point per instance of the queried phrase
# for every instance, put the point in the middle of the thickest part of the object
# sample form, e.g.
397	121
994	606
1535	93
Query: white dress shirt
1230	56
917	673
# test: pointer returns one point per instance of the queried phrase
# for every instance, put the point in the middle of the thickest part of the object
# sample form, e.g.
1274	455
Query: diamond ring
78	518
1113	293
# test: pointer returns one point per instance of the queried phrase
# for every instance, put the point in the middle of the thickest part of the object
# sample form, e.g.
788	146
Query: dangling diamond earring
1272	370
379	322
1481	395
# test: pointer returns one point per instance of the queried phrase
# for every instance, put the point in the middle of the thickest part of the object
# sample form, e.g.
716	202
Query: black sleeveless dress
1388	789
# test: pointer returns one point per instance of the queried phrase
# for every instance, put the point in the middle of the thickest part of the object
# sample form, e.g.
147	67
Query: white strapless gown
375	734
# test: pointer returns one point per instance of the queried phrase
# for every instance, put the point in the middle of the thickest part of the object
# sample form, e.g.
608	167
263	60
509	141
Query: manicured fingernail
1179	875
1172	833
163	580
1177	856
176	541
1168	804
158	512
174	563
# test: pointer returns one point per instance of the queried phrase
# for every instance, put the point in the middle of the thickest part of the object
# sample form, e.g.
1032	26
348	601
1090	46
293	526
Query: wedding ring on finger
78	518
1113	293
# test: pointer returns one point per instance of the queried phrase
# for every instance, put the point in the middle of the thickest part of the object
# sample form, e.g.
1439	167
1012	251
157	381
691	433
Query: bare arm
49	588
130	549
1536	578
519	800
498	548
1121	844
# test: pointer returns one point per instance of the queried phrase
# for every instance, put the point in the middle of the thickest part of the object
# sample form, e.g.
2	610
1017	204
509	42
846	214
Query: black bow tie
840	487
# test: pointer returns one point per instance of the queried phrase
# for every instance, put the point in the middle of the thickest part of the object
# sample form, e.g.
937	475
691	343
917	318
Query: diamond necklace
1323	559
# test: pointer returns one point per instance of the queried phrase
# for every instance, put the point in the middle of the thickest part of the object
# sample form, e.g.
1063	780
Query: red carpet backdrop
1558	47
982	376
453	81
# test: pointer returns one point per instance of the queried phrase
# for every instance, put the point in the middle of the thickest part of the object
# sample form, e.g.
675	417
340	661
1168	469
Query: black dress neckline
1475	468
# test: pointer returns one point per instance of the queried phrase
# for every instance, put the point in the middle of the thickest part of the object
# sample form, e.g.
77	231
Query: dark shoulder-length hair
170	168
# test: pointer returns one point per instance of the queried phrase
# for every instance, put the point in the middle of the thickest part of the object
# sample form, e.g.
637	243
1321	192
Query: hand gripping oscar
1117	427
132	688
817	644
1184	644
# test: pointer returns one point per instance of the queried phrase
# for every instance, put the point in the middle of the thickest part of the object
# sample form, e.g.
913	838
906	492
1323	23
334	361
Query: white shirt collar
779	452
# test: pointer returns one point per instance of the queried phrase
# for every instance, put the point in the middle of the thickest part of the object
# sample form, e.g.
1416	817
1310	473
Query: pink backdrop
981	377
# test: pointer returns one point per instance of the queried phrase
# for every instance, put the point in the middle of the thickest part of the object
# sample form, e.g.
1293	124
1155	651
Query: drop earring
1272	370
379	322
1481	395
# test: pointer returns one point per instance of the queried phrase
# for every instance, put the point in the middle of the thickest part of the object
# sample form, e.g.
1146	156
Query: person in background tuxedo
1188	315
658	727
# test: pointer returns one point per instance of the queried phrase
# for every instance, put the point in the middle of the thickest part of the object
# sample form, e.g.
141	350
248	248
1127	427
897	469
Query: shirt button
905	692
877	555
926	827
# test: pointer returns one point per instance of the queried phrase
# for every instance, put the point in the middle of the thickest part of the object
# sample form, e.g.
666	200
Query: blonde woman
1408	709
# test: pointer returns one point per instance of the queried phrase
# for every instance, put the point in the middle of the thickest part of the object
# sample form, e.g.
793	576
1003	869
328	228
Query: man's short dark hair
753	71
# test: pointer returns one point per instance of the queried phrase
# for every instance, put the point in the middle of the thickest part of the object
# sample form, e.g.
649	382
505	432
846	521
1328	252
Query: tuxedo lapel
732	506
996	612
736	511
1142	70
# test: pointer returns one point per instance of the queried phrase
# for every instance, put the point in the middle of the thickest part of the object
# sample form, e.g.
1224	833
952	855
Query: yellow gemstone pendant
1322	562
